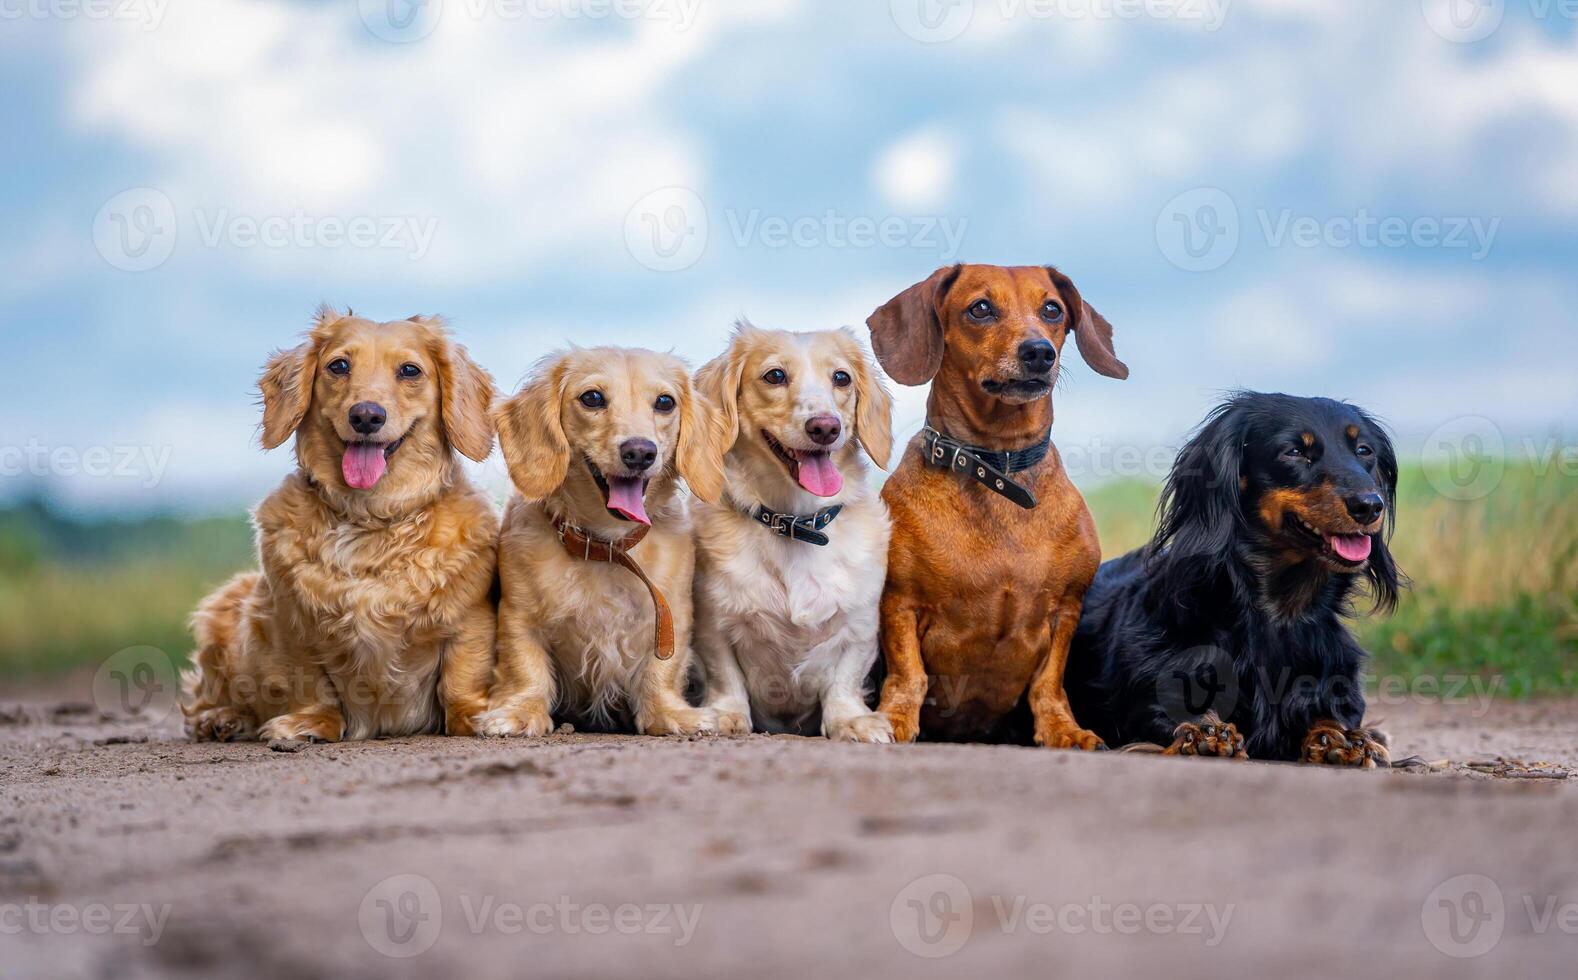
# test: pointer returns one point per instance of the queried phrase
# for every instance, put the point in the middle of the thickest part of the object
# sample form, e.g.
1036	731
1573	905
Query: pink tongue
625	497
364	464
818	474
1352	547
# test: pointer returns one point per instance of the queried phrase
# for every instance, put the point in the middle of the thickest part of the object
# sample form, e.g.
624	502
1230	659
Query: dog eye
410	371
664	404
1297	452
841	379
1362	450
593	399
1052	311
776	377
981	310
339	367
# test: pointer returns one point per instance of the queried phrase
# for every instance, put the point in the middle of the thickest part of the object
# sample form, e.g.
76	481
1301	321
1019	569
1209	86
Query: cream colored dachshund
371	615
791	560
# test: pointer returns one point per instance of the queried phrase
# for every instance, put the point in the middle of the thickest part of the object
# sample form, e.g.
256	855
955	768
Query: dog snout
1037	356
638	455
368	417
824	430
1366	508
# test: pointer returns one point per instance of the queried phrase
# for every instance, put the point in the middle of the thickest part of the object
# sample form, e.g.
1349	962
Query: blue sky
1375	201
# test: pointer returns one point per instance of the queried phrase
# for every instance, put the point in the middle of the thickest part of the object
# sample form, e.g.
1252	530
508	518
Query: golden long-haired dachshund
371	615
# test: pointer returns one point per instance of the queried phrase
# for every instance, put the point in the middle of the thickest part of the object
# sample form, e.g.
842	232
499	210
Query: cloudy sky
1375	201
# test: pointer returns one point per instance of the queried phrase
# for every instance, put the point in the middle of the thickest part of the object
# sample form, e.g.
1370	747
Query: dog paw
219	725
733	723
302	727
904	721
1069	738
873	727
527	721
1210	736
682	721
1329	744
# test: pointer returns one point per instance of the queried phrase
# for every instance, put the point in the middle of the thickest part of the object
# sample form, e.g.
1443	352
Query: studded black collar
808	529
988	467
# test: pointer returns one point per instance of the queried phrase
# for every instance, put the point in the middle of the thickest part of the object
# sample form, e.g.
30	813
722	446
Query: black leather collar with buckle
807	529
988	467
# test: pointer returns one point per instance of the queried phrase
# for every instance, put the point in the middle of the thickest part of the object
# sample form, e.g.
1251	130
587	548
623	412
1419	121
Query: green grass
1495	580
1495	593
76	592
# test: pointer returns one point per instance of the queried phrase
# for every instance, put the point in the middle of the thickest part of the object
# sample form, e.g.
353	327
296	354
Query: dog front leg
523	681
1054	718
845	717
904	691
467	670
726	692
308	709
661	708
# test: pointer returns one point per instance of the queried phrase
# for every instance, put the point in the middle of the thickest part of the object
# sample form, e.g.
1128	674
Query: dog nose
1366	508
824	429
1037	355
638	455
368	417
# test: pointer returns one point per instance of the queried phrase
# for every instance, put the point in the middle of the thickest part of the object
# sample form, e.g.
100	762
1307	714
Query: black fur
1220	613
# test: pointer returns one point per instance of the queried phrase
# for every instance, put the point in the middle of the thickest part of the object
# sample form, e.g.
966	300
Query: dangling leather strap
578	544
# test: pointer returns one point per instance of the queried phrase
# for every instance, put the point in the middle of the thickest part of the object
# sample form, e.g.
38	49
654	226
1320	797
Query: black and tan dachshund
1224	636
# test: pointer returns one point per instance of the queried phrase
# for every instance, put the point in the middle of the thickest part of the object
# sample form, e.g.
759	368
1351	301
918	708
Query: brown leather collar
579	544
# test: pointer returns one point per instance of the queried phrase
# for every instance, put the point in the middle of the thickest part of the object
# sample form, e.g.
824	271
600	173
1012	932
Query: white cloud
520	145
917	171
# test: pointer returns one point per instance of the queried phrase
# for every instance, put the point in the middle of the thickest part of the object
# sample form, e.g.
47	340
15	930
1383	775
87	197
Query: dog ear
1091	330
286	382
465	394
719	382
1385	578
531	433
1200	512
700	451
873	406
906	331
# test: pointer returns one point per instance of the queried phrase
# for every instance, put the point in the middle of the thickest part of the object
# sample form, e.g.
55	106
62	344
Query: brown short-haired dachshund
993	547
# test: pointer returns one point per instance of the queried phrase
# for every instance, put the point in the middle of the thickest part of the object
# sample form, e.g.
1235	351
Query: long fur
786	630
1210	616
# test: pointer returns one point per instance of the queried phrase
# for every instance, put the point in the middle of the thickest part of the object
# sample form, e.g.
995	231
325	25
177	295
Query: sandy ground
125	851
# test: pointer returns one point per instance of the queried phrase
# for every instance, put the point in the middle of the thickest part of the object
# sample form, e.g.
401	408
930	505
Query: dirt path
126	851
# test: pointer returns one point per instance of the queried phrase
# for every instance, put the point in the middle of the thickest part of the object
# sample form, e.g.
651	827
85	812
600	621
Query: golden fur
576	637
787	630
371	615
